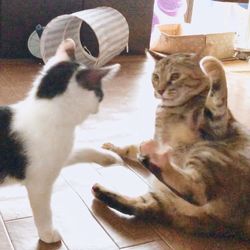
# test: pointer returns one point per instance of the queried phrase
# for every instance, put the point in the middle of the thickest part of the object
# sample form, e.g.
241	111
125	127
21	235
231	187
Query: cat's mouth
169	96
166	95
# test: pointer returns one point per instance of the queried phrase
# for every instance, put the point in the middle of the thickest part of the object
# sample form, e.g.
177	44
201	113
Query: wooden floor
126	116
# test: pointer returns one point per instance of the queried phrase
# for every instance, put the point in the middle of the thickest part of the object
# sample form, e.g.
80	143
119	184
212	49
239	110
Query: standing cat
36	134
200	153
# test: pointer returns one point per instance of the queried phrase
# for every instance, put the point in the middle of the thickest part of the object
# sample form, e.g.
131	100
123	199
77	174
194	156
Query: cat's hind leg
39	186
165	206
148	205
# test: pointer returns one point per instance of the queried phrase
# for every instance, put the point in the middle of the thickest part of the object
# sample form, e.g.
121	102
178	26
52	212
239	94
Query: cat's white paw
106	158
50	236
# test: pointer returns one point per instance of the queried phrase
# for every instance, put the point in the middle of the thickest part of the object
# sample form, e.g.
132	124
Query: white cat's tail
91	155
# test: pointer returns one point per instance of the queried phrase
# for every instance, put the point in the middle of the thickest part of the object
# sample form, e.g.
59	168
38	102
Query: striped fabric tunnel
110	28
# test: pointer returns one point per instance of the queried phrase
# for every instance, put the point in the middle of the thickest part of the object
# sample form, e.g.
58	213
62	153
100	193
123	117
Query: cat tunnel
109	26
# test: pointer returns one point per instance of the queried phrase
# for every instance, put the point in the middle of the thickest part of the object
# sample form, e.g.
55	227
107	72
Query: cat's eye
174	76
155	77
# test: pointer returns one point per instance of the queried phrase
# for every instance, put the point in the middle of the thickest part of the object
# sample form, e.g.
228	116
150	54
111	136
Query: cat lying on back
36	135
200	153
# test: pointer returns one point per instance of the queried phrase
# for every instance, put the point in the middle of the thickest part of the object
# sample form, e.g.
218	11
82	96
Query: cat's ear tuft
154	55
94	76
111	70
66	49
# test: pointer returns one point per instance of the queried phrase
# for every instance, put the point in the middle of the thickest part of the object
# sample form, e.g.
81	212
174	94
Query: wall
139	15
18	19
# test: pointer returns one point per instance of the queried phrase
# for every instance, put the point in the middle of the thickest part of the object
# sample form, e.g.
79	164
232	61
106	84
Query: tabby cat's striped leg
192	218
147	205
187	182
216	110
165	205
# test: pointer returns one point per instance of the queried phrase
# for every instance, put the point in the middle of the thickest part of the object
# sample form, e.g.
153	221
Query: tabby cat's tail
216	110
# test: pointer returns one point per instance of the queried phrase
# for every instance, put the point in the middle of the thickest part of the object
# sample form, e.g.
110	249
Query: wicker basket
174	38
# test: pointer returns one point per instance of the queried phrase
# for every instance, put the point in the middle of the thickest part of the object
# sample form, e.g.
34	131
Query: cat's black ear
154	55
90	78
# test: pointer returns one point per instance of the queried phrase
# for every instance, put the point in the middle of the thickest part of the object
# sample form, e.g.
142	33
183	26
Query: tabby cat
199	154
36	134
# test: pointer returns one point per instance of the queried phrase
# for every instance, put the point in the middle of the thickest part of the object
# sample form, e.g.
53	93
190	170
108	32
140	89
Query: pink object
169	7
155	20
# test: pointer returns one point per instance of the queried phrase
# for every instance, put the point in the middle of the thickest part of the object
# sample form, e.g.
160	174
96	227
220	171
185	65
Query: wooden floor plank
72	218
181	241
5	243
77	226
16	79
126	116
24	236
155	245
124	230
14	202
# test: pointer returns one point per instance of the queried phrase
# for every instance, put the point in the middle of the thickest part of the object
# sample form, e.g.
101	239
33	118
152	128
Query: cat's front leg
186	182
91	155
128	152
39	190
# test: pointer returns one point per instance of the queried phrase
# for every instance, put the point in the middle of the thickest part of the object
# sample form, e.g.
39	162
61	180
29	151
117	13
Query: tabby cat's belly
175	134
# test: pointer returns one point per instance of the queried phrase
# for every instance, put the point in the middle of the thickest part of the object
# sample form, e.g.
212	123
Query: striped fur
203	175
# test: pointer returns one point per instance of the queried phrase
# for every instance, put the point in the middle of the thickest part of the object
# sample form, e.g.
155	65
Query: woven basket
175	38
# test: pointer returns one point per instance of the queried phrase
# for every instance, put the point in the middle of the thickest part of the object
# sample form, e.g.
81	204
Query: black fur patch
90	83
13	160
208	114
144	160
99	94
56	80
111	200
216	86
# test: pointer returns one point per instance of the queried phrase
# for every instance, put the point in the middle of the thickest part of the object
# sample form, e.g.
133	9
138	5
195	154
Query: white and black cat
37	134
